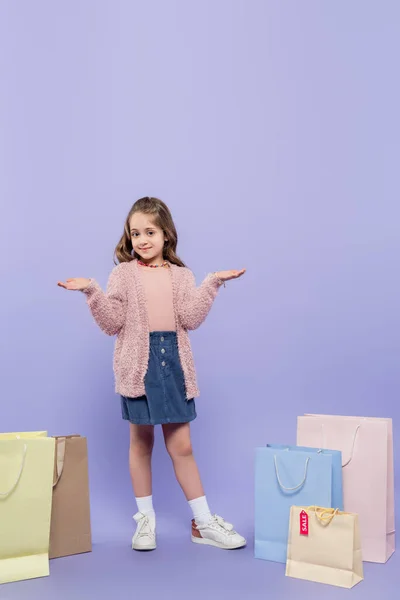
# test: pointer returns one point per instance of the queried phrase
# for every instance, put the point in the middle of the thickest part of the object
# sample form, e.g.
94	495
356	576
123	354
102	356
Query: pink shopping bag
368	473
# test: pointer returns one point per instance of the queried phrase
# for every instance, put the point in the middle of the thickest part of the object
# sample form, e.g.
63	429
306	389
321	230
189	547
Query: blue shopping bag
287	476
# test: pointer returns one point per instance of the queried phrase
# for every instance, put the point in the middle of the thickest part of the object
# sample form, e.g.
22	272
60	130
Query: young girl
150	304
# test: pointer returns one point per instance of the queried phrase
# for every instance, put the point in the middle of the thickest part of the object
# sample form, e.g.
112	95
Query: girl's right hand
75	284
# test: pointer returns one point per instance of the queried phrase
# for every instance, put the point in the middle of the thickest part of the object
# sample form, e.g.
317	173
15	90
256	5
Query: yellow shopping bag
324	546
26	481
24	434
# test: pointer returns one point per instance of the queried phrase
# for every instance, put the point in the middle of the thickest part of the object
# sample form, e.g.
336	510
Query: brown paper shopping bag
70	531
324	546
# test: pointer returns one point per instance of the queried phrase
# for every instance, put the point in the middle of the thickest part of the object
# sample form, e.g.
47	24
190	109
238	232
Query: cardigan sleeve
195	302
108	308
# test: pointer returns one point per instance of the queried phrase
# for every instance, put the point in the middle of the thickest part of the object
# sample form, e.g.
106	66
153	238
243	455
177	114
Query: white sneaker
217	532
145	534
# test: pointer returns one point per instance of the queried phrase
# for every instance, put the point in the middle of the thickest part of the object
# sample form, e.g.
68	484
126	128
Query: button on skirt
165	399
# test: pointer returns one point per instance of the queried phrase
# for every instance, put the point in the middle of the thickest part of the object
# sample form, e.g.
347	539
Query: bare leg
205	529
140	452
179	447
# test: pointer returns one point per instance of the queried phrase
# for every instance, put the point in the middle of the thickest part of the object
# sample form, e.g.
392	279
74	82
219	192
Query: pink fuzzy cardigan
122	311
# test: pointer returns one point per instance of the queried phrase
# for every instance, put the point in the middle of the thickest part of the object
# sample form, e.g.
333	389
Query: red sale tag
303	523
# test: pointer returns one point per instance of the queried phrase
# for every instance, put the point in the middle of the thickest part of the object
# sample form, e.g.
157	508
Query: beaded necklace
163	264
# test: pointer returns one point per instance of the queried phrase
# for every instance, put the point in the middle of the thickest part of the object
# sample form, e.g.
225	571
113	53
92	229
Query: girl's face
147	239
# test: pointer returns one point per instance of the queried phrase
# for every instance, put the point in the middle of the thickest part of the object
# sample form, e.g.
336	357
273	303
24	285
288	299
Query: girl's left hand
227	275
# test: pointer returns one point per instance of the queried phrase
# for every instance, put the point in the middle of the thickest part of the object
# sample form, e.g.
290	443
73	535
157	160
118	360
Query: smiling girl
150	304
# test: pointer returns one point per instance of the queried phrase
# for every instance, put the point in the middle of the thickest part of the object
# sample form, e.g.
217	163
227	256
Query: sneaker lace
221	525
145	528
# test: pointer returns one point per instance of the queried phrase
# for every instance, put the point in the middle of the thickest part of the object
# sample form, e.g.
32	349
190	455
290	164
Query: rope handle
292	489
5	494
60	458
324	515
61	441
324	445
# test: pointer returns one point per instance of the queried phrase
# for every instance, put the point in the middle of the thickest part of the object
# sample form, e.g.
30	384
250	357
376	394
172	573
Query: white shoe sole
197	540
144	548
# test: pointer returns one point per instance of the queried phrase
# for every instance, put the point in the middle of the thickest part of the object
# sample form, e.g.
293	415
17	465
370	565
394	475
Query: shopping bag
284	478
70	531
368	473
324	546
26	479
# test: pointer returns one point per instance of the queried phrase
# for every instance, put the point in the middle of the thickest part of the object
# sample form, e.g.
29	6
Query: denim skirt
165	399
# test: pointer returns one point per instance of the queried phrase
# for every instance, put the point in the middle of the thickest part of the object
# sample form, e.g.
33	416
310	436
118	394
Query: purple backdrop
271	129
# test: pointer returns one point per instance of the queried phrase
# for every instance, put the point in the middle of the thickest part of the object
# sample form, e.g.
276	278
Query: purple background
271	128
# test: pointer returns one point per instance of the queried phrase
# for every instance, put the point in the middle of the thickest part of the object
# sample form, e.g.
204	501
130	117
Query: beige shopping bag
70	518
26	480
366	444
324	546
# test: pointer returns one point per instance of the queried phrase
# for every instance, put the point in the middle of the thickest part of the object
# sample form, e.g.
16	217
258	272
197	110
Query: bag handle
292	489
324	445
60	458
5	494
61	441
324	515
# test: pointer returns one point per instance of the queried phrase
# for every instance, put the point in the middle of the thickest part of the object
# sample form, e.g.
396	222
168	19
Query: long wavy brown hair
162	218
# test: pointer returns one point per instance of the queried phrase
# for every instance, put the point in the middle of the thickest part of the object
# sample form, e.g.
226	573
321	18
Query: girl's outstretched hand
227	275
75	284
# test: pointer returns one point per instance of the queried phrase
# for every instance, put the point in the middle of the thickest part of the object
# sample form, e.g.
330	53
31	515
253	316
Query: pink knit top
157	285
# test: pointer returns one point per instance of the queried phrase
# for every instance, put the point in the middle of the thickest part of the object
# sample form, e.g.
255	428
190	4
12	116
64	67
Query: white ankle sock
145	506
201	512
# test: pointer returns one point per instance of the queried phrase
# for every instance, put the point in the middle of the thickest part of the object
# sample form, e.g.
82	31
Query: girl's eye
136	234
